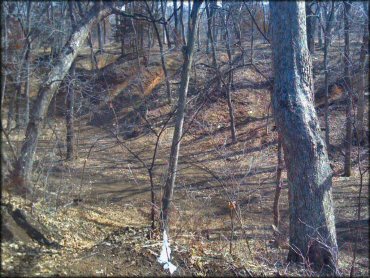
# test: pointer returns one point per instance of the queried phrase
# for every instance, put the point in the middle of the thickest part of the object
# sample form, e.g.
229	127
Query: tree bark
348	92
310	22
180	113
50	84
278	183
361	95
70	115
312	225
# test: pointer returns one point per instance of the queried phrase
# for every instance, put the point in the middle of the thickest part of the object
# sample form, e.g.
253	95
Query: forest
185	138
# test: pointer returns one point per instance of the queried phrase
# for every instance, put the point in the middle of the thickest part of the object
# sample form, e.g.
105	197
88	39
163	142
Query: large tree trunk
61	66
348	91
180	113
312	225
361	95
70	103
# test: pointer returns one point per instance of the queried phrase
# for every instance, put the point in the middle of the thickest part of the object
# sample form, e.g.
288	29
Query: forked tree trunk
179	121
312	225
348	91
50	84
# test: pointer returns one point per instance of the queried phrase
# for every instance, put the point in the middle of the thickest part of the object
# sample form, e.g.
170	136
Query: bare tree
312	225
180	114
61	66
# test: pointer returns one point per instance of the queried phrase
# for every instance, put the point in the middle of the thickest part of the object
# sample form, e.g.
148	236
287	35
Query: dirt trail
106	233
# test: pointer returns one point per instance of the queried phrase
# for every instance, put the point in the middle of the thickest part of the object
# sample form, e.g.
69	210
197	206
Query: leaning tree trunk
348	91
312	225
61	66
179	121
